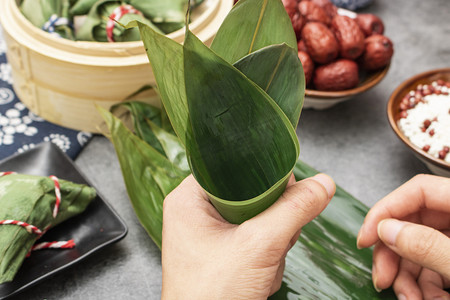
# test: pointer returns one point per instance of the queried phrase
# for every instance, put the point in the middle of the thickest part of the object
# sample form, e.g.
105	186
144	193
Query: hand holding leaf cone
324	262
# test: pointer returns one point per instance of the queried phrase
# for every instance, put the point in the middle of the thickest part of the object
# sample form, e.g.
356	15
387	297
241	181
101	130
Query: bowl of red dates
343	53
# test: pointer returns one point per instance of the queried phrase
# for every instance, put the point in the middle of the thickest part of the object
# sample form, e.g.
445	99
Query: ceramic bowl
436	166
325	99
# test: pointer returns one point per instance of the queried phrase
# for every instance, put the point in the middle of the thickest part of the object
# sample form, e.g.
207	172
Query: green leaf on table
149	176
325	263
252	25
141	114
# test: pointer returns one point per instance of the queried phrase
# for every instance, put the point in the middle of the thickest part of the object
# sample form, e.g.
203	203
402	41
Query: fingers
420	244
300	203
405	284
432	285
385	266
421	192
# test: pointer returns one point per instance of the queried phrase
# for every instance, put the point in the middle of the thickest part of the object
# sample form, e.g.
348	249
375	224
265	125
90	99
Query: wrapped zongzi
101	22
29	206
50	15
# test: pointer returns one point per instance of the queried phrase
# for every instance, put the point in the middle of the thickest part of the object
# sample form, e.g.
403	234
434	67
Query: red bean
431	133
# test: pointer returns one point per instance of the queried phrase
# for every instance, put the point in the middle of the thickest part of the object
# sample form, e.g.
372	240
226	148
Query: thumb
299	204
420	244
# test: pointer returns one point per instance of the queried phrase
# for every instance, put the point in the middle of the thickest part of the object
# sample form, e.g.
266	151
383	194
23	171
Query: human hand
205	257
410	228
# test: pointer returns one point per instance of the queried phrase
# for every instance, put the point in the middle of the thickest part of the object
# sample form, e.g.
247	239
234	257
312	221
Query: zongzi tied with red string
101	22
29	206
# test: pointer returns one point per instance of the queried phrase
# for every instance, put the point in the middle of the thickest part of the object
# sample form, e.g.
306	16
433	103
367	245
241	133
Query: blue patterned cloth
20	129
351	4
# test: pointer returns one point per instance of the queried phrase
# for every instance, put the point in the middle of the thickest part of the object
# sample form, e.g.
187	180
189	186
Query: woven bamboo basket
63	81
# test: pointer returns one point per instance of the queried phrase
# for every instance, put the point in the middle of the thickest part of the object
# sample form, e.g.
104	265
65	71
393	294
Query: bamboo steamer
63	81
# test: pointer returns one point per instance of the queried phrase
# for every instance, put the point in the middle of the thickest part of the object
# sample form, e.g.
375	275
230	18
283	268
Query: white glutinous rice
426	122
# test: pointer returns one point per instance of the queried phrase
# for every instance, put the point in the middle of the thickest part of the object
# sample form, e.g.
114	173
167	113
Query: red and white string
33	229
118	13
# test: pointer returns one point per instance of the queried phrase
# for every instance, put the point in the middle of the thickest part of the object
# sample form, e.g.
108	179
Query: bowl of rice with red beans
419	113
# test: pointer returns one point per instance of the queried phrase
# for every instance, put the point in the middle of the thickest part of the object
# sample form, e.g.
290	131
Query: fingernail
401	297
375	278
358	237
388	230
441	298
326	182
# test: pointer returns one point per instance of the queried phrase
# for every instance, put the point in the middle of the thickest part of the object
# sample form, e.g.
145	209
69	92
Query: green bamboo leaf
252	25
151	125
164	55
173	149
279	72
140	114
148	175
38	12
276	69
242	142
166	58
168	15
325	262
82	7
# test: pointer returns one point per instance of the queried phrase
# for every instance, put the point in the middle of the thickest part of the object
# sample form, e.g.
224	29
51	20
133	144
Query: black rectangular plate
97	227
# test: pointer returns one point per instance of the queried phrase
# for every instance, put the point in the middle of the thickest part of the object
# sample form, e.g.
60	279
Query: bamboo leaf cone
241	145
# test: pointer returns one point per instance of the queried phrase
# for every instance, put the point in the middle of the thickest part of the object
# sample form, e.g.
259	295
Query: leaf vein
282	56
263	9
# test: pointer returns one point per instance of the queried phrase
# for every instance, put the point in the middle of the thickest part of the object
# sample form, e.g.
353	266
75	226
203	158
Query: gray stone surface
352	142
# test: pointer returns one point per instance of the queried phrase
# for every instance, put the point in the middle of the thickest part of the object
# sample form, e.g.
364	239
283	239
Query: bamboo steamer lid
63	81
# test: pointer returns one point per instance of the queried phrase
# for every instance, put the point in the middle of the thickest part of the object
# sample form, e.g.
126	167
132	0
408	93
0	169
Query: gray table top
351	141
